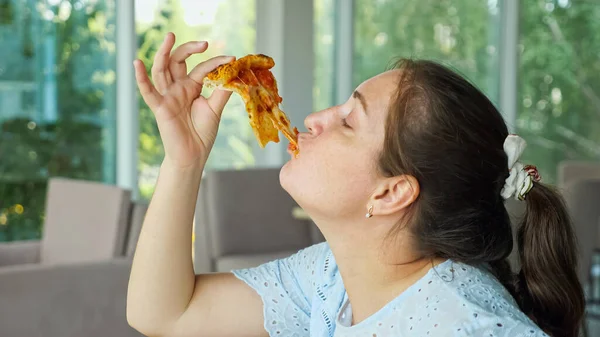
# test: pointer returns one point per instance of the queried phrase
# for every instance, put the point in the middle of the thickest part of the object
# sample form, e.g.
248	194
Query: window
558	88
559	82
463	34
324	48
58	80
57	103
228	26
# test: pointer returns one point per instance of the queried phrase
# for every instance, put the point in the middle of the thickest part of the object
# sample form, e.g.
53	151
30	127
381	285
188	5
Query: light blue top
303	295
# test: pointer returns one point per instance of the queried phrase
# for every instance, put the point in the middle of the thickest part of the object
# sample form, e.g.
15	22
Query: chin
285	177
292	182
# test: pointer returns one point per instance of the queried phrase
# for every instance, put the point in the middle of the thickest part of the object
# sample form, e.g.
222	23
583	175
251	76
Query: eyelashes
345	123
344	113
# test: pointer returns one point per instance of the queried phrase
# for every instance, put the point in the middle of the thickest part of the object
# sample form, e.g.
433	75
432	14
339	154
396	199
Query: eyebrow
361	99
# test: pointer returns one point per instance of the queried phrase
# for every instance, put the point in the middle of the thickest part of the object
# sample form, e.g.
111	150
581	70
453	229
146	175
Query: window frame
127	115
283	32
509	61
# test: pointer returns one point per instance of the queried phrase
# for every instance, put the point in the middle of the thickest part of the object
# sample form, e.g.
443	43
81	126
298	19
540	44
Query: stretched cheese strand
277	115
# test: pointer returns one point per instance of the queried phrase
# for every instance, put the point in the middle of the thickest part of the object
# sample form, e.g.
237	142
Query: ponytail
547	287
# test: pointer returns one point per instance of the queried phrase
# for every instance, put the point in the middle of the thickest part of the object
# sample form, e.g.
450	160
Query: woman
407	182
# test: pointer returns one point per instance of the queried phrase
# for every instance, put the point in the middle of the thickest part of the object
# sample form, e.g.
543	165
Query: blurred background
69	109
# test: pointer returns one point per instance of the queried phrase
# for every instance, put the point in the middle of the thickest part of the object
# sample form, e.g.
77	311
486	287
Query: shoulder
297	291
315	269
295	263
310	255
308	264
451	300
310	272
484	305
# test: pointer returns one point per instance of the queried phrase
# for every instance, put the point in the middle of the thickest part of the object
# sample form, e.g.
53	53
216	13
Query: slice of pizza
251	77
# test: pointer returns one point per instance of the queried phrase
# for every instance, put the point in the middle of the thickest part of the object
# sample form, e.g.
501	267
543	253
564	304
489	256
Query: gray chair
583	200
244	218
66	300
577	180
74	281
84	221
570	171
136	219
19	252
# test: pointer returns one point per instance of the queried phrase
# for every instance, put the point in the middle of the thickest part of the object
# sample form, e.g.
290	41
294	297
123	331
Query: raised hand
187	121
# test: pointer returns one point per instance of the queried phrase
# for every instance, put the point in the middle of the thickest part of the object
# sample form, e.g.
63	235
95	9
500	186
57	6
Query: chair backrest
202	248
85	221
583	200
570	171
136	219
247	212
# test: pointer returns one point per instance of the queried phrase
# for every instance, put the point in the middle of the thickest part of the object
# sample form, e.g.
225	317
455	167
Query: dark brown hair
447	134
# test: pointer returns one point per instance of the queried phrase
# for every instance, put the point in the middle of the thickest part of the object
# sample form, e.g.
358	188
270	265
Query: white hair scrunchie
521	177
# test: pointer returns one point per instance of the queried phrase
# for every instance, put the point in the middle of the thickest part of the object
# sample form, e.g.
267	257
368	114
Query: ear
394	194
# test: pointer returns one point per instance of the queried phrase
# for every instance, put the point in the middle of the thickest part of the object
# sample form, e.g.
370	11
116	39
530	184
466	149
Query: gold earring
369	212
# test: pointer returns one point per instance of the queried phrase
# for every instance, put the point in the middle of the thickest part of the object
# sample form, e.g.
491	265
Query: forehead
378	91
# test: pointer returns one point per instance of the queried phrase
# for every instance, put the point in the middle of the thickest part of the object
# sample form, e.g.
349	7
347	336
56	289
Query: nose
315	122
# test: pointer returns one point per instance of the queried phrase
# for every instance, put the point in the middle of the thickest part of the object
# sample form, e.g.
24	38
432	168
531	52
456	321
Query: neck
374	270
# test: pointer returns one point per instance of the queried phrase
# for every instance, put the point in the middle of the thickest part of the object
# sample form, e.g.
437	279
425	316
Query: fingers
177	66
218	99
199	72
160	73
148	91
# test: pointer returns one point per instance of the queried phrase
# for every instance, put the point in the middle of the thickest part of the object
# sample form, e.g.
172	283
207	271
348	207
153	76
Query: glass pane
235	35
463	34
57	103
559	83
323	89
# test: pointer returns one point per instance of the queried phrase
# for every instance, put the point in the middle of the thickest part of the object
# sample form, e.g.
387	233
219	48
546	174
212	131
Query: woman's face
336	171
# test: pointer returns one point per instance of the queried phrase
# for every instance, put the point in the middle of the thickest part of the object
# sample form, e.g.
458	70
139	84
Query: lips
302	136
291	153
290	147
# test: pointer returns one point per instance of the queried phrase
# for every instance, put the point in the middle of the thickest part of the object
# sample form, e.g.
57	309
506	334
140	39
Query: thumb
218	99
201	70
